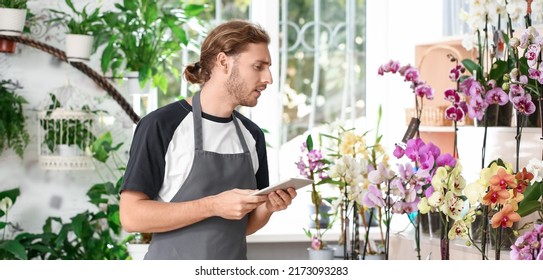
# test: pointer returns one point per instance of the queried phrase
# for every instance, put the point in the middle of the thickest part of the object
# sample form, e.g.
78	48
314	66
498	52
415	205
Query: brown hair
232	38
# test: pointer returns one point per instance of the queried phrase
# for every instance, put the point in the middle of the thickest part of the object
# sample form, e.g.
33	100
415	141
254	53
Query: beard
236	88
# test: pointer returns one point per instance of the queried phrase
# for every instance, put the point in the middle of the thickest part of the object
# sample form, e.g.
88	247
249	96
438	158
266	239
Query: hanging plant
13	133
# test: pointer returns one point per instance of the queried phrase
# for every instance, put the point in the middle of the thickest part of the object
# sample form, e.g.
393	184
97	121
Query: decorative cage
66	130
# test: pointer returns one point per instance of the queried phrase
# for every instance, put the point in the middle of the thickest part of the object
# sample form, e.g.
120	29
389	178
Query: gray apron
212	173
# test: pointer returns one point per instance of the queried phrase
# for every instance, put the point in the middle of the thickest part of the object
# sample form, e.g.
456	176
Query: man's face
250	75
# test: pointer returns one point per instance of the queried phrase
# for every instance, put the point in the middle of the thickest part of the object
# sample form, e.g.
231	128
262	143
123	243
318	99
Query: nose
267	77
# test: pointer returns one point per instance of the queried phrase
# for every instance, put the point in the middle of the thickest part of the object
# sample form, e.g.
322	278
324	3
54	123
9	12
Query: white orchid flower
535	166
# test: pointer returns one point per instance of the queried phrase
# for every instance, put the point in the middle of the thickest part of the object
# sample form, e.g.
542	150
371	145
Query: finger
292	192
284	196
278	199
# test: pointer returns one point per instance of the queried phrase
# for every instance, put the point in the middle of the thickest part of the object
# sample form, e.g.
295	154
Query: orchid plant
312	165
507	74
411	74
349	171
503	193
528	245
438	183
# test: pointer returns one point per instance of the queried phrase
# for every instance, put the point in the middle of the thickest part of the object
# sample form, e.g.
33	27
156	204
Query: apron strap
197	119
240	134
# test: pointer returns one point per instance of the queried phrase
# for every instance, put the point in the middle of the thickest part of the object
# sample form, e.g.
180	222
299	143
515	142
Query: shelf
436	129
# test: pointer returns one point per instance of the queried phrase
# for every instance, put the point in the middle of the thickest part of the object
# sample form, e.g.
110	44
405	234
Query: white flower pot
78	47
323	254
134	84
12	21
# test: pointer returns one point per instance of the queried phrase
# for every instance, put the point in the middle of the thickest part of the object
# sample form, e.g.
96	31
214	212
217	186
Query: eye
258	67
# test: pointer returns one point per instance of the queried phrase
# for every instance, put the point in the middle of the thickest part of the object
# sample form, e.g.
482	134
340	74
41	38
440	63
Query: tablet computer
296	183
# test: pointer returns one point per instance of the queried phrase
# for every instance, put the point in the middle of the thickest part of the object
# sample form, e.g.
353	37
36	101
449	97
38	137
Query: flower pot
134	86
12	21
375	257
7	46
78	47
323	254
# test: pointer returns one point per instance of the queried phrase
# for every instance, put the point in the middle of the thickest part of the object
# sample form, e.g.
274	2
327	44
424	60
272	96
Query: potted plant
312	165
89	235
144	38
85	30
9	248
13	133
12	17
12	21
65	134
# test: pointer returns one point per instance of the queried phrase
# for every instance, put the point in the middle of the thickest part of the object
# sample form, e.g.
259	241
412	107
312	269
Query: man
194	163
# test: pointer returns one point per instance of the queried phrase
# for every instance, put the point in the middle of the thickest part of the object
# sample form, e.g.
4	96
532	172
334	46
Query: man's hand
236	203
280	199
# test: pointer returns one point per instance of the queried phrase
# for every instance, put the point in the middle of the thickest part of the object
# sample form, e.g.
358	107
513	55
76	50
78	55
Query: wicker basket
434	116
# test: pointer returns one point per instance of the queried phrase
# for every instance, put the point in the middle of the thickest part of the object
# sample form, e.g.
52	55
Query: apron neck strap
197	119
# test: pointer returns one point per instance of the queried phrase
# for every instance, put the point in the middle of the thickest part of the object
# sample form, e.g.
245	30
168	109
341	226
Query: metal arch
84	68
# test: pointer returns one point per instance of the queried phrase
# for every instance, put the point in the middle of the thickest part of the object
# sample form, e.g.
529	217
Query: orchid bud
514	42
505	86
513	75
506	77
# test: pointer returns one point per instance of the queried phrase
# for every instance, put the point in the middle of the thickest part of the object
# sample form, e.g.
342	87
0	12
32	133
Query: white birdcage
66	130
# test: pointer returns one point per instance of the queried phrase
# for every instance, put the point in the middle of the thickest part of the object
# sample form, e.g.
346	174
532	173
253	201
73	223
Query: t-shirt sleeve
146	163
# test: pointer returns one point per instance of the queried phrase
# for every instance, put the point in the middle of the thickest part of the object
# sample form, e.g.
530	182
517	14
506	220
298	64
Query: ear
222	62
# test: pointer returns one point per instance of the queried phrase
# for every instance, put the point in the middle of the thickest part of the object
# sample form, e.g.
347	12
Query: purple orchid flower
524	104
452	95
373	198
398	151
424	90
446	160
477	107
496	96
454	113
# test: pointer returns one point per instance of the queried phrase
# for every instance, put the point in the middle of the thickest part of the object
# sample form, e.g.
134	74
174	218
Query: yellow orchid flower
475	191
458	229
423	206
440	178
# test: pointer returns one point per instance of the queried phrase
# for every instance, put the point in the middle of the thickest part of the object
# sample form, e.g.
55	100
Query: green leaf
161	82
532	193
151	13
11	193
499	68
528	208
471	66
193	10
129	5
309	142
101	147
15	248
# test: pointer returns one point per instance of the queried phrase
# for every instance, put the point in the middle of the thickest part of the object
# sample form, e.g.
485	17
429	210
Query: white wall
394	28
47	193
